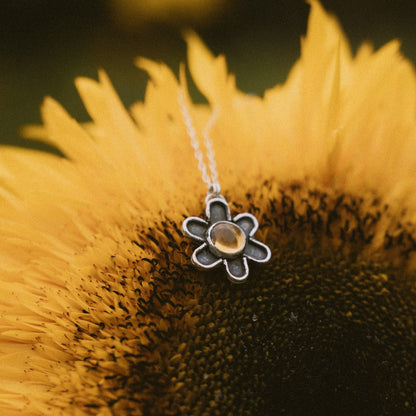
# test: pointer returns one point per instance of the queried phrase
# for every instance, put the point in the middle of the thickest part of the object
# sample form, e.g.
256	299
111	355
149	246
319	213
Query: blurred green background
45	44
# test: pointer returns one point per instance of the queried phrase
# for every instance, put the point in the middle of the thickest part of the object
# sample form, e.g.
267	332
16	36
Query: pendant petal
218	210
195	228
237	269
257	251
204	259
247	222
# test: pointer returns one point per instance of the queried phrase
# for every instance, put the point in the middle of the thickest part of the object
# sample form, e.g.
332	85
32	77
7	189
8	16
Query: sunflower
102	312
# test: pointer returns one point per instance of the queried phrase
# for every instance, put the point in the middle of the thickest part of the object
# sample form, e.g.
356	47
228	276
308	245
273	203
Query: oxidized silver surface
207	255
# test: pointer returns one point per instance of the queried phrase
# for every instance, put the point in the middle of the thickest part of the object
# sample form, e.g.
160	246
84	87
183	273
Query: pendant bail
214	191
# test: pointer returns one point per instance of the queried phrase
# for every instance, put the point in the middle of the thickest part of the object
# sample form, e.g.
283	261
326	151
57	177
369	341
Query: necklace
225	240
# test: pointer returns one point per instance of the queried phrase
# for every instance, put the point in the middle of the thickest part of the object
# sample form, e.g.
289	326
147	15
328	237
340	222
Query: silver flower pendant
225	240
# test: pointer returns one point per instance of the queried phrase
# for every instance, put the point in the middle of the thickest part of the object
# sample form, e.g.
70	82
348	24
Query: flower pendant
225	240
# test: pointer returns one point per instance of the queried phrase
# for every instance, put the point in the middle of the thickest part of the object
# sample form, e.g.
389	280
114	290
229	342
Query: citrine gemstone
228	238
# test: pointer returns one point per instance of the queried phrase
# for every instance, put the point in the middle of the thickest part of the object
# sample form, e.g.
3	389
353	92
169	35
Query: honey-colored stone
228	238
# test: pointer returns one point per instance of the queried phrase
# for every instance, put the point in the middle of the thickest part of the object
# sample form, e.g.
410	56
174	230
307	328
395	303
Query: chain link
209	173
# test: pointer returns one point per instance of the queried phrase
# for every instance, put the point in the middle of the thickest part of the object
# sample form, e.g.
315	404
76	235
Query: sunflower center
227	238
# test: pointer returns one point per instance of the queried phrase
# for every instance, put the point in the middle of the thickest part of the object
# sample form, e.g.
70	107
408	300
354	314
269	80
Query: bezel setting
220	253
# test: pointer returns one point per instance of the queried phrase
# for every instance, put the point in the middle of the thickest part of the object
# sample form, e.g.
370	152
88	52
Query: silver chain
210	177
